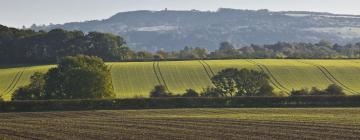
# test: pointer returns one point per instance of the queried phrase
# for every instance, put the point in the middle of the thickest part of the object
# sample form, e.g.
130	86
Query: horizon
60	12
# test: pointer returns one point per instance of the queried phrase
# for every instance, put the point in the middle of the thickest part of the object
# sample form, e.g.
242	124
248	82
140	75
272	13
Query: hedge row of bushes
166	103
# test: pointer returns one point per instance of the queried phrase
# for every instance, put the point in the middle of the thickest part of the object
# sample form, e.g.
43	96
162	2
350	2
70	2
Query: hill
132	79
172	30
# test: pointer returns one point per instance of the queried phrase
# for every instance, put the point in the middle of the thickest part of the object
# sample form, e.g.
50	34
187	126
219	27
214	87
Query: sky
16	13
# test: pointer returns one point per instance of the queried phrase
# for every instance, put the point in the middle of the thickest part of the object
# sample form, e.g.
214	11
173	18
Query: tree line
28	46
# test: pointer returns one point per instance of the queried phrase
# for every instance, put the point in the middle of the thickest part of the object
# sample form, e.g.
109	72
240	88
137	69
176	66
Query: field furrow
200	124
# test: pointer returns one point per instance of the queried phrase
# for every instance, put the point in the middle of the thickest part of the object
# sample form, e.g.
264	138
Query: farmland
132	79
226	123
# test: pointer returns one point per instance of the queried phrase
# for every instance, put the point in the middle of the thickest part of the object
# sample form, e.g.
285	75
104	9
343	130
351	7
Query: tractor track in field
273	79
212	72
330	76
206	70
13	83
159	75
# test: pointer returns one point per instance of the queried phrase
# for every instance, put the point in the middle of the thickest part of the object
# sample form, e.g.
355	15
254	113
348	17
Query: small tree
190	93
160	91
334	89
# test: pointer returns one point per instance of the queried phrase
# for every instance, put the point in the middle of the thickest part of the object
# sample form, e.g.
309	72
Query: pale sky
16	13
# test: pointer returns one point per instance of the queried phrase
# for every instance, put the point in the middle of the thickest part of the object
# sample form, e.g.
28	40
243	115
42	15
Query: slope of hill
132	79
172	30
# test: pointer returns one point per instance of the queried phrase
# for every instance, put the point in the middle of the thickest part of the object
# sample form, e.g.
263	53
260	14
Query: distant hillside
172	30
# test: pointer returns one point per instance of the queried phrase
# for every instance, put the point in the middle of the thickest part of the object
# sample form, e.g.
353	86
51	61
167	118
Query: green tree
79	77
76	77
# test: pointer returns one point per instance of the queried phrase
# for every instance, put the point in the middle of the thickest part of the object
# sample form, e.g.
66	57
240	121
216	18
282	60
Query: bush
334	90
331	90
301	92
211	92
160	91
190	93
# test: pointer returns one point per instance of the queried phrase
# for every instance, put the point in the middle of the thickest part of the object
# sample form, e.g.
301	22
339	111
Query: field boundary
181	102
273	79
330	76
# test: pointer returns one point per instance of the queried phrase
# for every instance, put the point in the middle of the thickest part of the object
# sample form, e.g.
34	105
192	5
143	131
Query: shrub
334	89
211	92
160	91
331	90
190	93
301	92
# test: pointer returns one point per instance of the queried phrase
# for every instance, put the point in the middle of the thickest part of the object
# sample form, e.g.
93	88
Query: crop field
226	123
132	79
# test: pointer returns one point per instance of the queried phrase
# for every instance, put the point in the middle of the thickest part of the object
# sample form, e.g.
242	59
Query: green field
225	123
132	79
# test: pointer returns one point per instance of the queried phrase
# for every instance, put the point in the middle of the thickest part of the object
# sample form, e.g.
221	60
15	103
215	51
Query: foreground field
315	123
138	78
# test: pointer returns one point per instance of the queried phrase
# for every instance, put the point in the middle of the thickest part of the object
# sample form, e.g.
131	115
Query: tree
334	89
160	91
79	77
76	77
33	91
244	82
225	82
190	93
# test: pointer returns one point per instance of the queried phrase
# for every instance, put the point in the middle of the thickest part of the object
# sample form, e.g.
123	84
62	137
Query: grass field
269	123
138	78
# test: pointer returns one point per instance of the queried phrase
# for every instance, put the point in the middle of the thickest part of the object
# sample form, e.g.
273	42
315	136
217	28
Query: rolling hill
132	79
173	30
